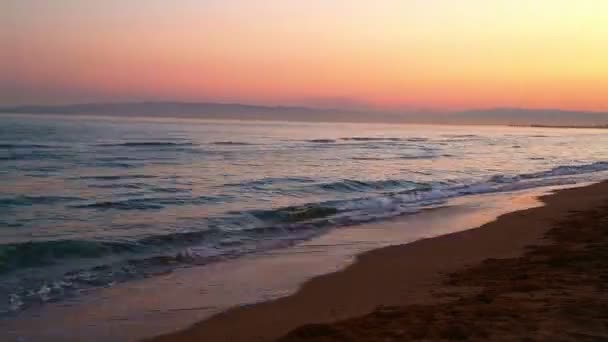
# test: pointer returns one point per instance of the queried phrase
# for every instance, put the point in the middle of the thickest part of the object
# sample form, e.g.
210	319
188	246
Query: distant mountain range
502	116
531	117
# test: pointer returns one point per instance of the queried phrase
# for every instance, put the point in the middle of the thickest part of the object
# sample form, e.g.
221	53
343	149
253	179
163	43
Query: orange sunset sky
444	54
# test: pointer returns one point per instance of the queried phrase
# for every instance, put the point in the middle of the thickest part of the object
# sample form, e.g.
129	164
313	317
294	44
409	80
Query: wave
358	139
368	158
33	254
16	256
371	139
460	135
149	144
19	146
44	253
119	158
322	141
131	162
139	186
239	233
152	203
146	257
132	186
295	213
130	204
235	143
554	172
352	185
392	197
412	157
448	138
116	177
29	200
571	170
395	191
355	141
269	181
119	165
42	154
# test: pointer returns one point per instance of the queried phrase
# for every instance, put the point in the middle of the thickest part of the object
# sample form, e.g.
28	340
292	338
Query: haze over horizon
389	55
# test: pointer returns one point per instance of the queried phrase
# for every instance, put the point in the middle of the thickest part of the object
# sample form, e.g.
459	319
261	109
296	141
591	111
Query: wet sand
481	284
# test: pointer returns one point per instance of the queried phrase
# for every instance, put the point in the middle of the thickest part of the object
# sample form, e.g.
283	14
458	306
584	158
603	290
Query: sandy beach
535	273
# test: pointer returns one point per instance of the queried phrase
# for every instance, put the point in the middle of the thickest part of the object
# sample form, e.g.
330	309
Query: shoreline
372	281
169	303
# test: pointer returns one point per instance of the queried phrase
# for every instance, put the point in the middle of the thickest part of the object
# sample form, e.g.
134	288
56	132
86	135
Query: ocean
91	202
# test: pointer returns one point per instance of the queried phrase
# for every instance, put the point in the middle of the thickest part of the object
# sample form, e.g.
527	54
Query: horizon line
362	109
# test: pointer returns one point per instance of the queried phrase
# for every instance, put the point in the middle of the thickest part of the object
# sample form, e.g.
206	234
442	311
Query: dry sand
482	284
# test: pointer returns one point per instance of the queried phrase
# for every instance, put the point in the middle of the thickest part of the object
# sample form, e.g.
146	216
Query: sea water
89	202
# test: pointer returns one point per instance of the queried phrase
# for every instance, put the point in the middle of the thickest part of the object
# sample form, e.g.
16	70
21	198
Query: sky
393	54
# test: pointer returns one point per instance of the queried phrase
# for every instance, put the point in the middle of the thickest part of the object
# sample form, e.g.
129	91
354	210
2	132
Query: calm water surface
88	202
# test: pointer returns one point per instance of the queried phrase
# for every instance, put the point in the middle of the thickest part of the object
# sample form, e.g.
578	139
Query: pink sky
449	54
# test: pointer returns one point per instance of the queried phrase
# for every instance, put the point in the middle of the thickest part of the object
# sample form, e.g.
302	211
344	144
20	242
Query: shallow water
145	308
89	202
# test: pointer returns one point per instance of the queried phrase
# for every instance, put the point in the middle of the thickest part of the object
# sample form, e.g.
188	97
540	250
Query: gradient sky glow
447	54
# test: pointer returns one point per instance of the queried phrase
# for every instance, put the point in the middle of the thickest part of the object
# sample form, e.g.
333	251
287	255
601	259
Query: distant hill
501	116
195	110
187	109
531	117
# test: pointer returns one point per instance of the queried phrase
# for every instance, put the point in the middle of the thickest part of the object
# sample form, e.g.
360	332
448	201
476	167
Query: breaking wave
237	233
